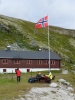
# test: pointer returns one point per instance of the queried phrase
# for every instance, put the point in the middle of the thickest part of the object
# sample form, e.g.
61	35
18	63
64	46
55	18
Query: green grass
9	87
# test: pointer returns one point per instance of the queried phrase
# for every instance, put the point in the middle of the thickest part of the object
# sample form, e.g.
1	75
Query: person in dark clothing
18	74
38	76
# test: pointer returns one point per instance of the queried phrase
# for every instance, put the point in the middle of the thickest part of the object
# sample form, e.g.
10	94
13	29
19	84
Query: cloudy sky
60	12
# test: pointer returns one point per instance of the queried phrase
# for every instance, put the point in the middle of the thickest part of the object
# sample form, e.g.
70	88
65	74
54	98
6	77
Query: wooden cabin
28	61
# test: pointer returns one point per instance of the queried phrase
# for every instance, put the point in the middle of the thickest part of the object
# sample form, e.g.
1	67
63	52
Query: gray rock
66	83
65	72
62	80
53	85
70	89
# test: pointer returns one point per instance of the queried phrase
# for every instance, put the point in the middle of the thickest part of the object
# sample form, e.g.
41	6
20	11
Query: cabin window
17	61
52	62
39	62
4	70
28	70
5	61
29	61
46	62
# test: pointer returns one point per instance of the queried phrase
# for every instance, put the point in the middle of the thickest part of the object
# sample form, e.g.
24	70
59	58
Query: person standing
18	74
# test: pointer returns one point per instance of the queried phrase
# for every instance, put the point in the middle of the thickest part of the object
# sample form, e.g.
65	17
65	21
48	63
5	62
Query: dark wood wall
24	64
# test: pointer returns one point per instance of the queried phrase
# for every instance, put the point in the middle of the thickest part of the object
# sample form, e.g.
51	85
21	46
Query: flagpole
41	24
48	45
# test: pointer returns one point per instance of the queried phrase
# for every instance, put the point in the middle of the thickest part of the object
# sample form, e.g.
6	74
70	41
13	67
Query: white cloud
61	12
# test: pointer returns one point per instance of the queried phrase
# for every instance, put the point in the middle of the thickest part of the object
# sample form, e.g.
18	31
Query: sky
60	13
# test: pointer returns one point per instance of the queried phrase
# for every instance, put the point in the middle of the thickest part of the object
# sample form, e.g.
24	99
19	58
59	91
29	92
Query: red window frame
17	61
29	61
52	62
39	62
4	61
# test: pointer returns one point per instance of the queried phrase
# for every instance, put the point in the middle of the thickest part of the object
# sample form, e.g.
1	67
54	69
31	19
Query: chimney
40	49
8	48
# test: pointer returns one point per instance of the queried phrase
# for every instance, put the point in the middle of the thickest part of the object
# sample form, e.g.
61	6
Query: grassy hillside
25	36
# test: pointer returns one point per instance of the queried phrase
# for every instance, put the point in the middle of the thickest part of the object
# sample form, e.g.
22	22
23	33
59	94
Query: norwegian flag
43	22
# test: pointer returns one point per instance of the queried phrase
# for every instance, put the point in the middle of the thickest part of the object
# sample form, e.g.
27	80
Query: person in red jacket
18	74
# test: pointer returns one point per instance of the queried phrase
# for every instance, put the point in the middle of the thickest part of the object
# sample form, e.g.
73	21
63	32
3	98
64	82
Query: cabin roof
28	54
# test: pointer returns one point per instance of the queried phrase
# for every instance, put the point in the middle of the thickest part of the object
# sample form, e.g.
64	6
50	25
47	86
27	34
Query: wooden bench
43	79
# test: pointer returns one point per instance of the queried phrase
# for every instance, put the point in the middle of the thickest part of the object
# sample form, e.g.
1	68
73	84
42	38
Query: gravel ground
58	92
